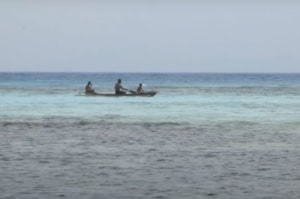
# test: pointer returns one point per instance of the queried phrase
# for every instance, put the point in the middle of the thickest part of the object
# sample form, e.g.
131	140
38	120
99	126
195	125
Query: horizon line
154	72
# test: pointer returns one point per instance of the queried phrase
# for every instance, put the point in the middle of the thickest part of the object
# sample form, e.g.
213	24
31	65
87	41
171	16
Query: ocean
204	135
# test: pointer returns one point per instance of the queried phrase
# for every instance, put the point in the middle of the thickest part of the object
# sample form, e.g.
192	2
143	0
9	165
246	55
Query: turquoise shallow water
201	136
191	98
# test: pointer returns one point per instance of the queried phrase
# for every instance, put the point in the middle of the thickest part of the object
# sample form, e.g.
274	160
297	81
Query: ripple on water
144	160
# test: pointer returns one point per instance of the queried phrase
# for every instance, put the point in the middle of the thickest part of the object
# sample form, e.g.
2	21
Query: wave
48	124
207	126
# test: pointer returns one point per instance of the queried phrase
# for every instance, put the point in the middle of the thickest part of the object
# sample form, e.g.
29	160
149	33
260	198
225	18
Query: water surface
201	136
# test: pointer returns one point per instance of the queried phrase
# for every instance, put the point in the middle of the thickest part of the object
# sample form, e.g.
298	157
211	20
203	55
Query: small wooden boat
132	94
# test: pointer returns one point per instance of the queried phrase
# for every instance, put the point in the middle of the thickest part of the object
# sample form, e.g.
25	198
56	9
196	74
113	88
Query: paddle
131	91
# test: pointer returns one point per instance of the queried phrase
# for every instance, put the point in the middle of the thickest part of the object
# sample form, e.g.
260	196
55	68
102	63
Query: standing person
139	89
119	90
88	88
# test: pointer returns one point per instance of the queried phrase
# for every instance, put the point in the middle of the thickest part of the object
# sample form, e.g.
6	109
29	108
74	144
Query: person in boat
119	90
89	89
139	89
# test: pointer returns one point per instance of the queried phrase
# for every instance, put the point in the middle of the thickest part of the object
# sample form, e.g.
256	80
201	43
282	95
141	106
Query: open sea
210	136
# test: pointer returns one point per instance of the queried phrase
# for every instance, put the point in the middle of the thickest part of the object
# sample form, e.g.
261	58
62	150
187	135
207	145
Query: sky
150	36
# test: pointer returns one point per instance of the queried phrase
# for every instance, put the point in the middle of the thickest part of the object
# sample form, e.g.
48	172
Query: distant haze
150	36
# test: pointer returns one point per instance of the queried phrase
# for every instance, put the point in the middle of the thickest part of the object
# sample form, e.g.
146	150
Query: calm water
202	136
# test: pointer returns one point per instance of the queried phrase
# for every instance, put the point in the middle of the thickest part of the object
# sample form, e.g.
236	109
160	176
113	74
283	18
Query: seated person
88	88
139	89
119	89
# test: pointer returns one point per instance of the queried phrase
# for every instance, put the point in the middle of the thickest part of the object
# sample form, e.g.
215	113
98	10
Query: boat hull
147	94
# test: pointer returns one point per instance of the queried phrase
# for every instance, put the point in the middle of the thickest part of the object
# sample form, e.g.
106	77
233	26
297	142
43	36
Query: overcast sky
150	36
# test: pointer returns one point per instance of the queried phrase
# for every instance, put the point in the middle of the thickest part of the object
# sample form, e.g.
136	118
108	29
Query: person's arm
125	89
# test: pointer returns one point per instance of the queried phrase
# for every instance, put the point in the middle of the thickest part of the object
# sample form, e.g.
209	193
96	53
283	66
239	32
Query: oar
131	91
